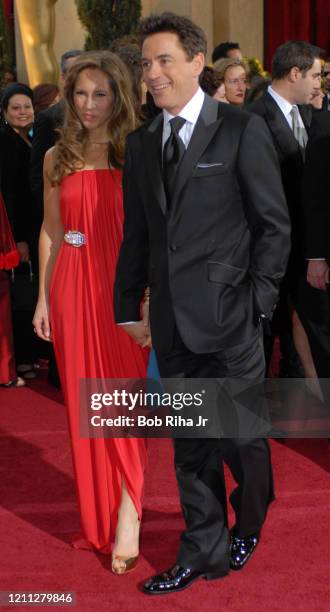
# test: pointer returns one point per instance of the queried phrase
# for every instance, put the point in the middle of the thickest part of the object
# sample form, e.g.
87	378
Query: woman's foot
126	549
16	383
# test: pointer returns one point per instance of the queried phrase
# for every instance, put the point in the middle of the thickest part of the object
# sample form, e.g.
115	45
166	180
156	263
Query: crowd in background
253	180
29	120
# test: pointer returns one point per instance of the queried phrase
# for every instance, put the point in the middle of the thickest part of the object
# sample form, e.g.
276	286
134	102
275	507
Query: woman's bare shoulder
49	158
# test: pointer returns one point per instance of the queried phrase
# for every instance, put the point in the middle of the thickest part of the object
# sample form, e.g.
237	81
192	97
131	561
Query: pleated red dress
89	344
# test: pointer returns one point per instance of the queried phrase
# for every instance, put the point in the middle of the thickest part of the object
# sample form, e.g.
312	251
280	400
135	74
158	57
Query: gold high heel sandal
130	564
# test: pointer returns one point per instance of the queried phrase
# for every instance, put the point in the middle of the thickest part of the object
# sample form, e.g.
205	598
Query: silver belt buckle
75	238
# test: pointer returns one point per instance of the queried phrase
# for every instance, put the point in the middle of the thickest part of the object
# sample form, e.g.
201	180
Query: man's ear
294	73
198	62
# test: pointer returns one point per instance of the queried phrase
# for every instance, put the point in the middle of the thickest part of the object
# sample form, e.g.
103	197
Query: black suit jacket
316	189
325	103
44	137
291	160
15	186
215	261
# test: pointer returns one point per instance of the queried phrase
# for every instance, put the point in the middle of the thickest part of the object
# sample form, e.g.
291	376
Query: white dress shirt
285	107
190	113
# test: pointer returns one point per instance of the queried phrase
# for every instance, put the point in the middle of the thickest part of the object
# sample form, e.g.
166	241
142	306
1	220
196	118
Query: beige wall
237	20
69	34
200	11
240	21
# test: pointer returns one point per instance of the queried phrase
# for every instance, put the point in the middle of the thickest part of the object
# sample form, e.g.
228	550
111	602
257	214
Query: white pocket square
209	165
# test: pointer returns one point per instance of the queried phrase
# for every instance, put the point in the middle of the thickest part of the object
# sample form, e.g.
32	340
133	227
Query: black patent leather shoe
176	579
241	550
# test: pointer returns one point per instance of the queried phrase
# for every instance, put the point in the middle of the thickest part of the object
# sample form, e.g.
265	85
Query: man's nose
153	71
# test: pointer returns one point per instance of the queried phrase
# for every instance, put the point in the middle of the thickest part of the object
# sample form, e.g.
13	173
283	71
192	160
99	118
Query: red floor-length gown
89	344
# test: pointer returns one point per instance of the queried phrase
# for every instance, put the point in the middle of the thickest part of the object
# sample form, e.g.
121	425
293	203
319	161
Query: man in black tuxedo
207	228
316	193
296	72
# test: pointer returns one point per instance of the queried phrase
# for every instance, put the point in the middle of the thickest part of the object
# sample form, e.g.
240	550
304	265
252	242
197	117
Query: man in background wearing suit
207	228
316	195
44	137
296	73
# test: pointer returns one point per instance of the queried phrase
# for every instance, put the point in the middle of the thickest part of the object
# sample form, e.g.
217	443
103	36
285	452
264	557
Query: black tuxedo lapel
152	140
279	127
325	103
206	126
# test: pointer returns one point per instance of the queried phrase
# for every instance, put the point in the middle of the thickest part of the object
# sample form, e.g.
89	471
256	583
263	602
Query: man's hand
140	332
23	249
318	274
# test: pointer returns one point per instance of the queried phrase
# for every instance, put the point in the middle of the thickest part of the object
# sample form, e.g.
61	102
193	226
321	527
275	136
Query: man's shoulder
259	106
239	118
53	115
136	134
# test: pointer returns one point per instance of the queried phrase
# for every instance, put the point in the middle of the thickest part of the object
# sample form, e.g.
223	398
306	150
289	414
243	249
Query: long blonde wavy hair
69	149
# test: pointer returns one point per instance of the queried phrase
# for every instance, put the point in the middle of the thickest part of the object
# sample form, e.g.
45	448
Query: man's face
169	75
234	53
307	83
326	75
69	62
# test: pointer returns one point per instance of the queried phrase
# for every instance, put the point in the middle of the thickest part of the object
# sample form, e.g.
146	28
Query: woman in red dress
79	244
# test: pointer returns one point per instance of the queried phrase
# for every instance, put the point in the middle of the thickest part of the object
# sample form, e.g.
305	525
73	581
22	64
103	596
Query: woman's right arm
51	237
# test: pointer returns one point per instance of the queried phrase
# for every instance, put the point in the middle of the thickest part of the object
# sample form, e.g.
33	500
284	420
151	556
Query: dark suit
44	137
213	264
291	159
15	186
306	299
316	190
326	103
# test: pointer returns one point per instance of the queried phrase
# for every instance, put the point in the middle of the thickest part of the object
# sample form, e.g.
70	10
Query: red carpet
289	572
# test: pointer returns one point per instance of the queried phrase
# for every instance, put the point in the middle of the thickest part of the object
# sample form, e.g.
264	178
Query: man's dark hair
68	55
129	51
222	49
191	36
293	53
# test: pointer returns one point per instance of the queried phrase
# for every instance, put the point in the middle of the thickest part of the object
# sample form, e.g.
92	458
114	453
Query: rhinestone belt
76	239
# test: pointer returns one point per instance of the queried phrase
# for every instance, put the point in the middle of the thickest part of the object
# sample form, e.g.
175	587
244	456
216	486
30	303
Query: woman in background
234	74
45	95
15	151
212	83
79	244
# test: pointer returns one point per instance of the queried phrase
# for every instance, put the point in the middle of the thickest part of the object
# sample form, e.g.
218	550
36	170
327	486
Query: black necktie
174	150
